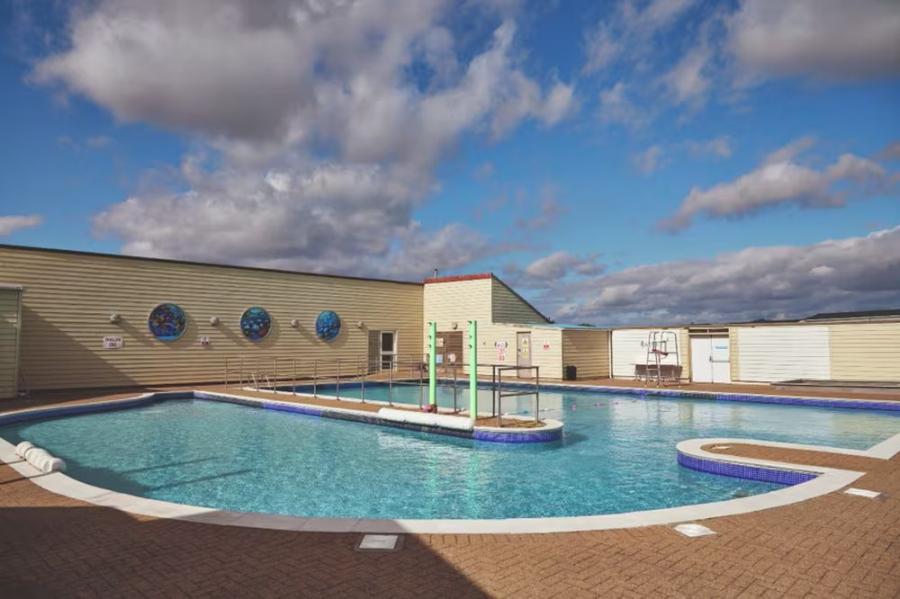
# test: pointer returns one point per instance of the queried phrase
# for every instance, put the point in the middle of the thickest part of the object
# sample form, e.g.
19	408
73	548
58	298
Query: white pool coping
827	480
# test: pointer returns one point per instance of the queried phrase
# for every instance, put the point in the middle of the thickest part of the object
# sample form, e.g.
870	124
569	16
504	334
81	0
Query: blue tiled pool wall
657	392
514	436
760	473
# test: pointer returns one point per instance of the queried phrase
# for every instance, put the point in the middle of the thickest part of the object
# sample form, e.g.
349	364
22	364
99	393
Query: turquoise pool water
617	455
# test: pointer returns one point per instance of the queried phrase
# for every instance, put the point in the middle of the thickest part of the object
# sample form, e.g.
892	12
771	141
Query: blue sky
627	161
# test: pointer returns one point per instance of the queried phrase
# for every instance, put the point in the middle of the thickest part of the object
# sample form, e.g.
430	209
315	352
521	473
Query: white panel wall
780	353
629	347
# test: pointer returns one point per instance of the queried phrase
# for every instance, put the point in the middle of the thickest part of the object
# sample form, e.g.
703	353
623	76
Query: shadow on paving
93	551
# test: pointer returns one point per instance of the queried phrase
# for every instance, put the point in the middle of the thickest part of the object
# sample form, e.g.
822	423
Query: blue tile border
819	402
495	436
759	473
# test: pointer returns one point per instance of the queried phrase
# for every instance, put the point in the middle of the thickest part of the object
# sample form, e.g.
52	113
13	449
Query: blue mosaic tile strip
680	394
85	408
760	473
518	437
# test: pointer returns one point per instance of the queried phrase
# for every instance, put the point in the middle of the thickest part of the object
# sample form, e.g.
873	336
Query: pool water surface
617	455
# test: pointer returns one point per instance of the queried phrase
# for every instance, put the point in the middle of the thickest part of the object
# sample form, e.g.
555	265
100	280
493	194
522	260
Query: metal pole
499	397
226	373
493	390
293	376
275	368
337	387
537	393
315	377
362	379
390	384
473	370
432	365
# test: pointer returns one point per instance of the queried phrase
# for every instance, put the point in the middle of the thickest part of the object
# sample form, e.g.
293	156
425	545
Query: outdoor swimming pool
617	455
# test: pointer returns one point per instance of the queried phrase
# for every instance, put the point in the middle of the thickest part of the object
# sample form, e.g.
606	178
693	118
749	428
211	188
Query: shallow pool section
617	455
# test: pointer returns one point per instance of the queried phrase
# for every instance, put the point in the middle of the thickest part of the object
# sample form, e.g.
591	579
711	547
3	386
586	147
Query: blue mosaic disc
328	325
167	322
255	323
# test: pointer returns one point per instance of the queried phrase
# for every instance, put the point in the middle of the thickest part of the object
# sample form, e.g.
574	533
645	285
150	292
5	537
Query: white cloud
11	224
617	108
718	147
549	270
782	180
649	160
326	218
891	151
550	210
832	39
626	33
687	81
845	274
330	117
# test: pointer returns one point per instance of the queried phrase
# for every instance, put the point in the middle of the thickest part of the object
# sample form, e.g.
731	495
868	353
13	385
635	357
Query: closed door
710	360
388	349
449	348
523	352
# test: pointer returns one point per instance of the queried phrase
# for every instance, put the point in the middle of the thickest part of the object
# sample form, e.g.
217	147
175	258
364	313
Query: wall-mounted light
454	325
360	324
295	323
115	317
214	320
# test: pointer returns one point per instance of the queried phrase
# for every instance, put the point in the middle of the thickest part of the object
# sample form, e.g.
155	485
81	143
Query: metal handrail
498	375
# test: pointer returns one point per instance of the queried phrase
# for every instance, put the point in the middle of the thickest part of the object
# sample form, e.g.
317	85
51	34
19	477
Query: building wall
458	301
865	351
780	353
587	350
9	333
506	306
70	296
629	347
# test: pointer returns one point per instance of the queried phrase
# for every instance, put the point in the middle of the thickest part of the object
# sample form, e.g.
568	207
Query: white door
523	353
710	360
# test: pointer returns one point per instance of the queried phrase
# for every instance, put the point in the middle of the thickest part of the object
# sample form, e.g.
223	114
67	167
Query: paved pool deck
836	545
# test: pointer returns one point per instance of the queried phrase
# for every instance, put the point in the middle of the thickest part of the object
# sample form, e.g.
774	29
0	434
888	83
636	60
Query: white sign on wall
204	340
546	346
113	343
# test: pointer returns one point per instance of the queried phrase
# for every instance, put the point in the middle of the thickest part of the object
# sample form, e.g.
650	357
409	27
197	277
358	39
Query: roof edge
457	278
30	248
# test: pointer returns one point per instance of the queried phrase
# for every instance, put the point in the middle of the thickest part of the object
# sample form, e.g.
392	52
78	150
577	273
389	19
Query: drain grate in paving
862	493
694	530
380	543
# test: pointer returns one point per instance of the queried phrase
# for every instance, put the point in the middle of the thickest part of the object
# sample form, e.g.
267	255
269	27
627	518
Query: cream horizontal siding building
838	349
10	318
70	297
510	330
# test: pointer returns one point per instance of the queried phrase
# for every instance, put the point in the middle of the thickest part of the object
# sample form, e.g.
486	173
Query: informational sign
439	358
113	343
501	344
440	342
501	347
546	346
204	340
451	358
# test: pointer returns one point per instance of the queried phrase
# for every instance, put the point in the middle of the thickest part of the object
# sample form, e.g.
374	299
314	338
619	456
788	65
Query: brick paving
832	546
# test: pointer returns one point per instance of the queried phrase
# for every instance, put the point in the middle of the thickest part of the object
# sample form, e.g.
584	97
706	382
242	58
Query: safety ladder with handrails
660	345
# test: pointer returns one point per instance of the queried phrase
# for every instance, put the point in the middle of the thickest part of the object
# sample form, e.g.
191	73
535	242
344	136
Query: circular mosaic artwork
255	323
328	325
167	322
